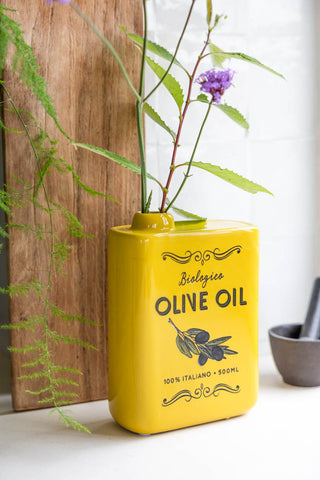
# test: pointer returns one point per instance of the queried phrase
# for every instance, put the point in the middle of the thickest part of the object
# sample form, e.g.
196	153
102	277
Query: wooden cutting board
95	106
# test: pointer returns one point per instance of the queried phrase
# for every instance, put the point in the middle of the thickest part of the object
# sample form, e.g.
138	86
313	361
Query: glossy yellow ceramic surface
183	322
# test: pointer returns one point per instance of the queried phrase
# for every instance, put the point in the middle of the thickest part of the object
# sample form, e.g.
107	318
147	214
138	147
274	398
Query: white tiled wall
278	151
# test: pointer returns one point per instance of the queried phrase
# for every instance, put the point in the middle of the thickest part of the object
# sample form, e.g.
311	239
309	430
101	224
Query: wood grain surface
95	106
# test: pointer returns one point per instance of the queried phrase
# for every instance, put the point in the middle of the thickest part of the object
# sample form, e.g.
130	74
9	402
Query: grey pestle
311	326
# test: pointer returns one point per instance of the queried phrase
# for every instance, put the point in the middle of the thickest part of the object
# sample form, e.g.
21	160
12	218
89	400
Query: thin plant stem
175	53
45	347
106	42
181	121
139	107
186	175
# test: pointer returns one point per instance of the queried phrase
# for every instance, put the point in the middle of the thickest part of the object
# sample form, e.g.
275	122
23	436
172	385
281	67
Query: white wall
278	151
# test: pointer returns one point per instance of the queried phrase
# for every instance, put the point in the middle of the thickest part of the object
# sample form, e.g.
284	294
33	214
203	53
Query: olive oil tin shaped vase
183	322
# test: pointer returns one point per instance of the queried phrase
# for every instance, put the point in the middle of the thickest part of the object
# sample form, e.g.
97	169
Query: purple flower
49	2
215	82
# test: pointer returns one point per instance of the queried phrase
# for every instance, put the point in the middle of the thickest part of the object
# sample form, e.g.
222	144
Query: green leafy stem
183	103
42	366
196	341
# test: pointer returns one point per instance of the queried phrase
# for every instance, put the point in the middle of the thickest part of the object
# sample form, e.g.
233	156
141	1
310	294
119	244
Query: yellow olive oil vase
183	322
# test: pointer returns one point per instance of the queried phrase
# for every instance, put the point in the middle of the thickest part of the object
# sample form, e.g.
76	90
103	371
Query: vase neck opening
153	221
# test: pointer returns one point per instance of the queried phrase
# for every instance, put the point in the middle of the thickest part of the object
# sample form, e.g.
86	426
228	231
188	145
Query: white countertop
277	439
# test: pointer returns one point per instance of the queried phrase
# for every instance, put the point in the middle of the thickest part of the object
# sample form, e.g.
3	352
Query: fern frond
69	421
61	253
56	368
62	164
4	45
66	394
55	337
24	288
65	381
28	324
46	400
27	348
34	363
74	227
15	197
2	125
36	375
38	232
61	403
37	204
3	233
46	150
4	202
57	312
39	392
25	62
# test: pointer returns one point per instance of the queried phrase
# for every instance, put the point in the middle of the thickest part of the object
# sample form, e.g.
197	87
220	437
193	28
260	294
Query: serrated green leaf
209	12
171	84
156	118
152	47
202	98
124	162
192	217
183	347
234	114
220	54
216	56
231	177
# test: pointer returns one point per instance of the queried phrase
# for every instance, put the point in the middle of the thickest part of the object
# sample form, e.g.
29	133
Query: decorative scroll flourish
199	392
201	257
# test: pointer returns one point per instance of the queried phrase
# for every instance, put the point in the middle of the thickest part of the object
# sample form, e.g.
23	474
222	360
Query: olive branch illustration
196	341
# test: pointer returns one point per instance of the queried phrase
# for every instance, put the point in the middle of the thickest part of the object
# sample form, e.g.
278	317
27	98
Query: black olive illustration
216	353
202	359
202	337
196	341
